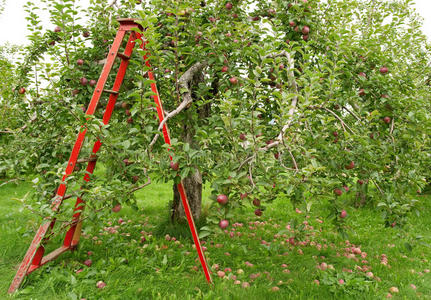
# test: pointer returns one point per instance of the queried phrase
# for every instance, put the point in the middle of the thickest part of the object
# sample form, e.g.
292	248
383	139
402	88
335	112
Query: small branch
294	160
246	161
184	83
339	119
377	186
352	113
141	186
251	176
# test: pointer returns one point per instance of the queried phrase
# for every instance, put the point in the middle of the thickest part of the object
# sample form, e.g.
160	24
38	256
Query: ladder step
47	258
123	56
111	92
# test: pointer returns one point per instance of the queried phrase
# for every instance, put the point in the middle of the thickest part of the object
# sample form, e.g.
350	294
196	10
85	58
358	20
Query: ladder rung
123	56
47	258
111	92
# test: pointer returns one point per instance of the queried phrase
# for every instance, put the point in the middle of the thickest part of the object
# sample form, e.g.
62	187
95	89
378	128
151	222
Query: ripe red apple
387	120
100	284
305	30
222	199
384	70
360	181
338	192
21	91
83	81
88	262
305	37
296	29
224	69
343	214
92	82
256	202
79	62
130	120
57	29
242	137
351	165
233	80
85	34
292	24
362	74
223	224
229	5
258	212
361	92
116	208
174	166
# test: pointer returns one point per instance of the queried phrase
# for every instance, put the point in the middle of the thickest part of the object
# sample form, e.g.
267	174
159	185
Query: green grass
161	269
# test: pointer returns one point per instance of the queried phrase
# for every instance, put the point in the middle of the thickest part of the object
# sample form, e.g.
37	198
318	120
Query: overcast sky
14	30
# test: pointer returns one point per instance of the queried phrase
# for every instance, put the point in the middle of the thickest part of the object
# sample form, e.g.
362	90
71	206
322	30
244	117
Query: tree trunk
193	182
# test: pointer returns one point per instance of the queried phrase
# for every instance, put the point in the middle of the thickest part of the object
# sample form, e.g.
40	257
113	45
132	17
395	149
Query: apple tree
302	100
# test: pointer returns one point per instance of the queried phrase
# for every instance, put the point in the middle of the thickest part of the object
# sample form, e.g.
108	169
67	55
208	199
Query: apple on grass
258	212
343	214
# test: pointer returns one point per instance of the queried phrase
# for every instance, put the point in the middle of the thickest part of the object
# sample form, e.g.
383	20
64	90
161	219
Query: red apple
362	74
128	113
100	284
305	37
387	120
83	81
292	24
256	18
343	214
224	69
79	62
305	30
360	182
85	34
243	195
296	29
92	82
116	208
350	166
174	166
57	29
223	224
258	212
335	133
21	91
256	202
242	137
88	262
384	70
338	192
276	155
222	199
233	80
228	5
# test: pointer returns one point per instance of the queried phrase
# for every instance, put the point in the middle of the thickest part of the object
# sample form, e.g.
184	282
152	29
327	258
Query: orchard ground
140	255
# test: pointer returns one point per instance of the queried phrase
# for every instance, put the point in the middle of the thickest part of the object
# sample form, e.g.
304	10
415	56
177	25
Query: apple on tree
222	199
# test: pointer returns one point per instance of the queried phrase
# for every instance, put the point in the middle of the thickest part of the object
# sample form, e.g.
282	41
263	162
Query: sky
14	30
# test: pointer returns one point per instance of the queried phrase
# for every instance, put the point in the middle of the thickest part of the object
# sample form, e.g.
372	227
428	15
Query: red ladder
35	258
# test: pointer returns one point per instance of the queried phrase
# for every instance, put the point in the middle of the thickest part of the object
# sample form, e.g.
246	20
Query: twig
294	160
141	186
377	186
352	113
339	119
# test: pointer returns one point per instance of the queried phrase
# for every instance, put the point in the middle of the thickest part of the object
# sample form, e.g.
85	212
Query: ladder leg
74	232
180	186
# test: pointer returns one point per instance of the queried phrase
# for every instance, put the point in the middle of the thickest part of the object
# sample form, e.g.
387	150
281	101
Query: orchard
300	131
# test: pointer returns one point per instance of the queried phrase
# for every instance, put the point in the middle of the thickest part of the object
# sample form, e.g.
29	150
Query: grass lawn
255	254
